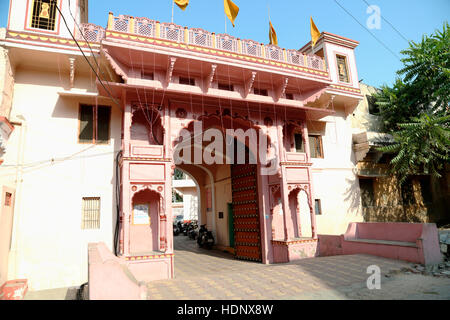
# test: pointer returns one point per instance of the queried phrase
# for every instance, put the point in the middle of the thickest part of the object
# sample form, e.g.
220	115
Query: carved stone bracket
249	83
72	72
209	79
281	89
170	68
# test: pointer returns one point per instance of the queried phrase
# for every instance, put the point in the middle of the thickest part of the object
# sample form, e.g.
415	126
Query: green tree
415	110
178	175
421	146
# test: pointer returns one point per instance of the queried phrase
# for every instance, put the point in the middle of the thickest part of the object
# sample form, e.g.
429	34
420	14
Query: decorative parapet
202	38
90	32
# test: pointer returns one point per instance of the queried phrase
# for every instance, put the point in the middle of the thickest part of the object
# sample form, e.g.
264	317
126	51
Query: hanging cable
374	36
85	57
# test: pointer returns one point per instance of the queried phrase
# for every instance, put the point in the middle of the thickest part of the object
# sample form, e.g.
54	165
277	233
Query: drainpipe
13	272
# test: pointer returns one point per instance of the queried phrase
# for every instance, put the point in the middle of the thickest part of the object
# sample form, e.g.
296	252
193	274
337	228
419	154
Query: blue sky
376	65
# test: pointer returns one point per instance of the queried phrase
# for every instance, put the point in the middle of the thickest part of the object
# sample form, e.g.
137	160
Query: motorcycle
180	227
205	238
186	228
192	232
176	229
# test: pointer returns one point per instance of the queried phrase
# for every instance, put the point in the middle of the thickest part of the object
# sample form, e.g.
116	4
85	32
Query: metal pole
173	5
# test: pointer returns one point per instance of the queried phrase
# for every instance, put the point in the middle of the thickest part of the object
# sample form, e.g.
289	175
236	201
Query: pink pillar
311	190
283	188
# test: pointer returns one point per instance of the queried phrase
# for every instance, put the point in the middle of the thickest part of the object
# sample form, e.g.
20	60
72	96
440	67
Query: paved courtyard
204	275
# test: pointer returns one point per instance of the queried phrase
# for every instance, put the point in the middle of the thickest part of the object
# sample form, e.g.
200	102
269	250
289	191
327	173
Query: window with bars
318	207
342	68
90	218
94	124
315	146
44	14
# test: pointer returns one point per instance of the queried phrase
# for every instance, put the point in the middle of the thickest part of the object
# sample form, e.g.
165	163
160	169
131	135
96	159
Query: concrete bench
413	242
109	277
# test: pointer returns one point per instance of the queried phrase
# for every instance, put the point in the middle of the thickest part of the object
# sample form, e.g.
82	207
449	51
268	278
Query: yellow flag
231	10
181	3
272	35
315	33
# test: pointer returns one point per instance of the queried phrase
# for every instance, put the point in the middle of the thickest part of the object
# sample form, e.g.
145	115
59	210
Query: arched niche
300	211
305	214
147	222
146	126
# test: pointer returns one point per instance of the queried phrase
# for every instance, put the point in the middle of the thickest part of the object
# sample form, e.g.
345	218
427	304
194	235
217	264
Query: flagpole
173	5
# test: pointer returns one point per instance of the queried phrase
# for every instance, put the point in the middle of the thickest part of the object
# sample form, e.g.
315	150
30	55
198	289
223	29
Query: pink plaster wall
144	238
303	250
109	277
423	237
330	245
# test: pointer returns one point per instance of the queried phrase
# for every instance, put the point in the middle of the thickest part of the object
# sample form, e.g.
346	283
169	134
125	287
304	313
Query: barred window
318	207
90	218
342	68
44	14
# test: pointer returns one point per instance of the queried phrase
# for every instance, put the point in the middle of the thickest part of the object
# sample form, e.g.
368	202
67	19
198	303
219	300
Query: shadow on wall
353	195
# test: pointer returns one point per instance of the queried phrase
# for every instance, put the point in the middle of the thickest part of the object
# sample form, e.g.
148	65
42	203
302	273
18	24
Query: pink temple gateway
177	77
169	92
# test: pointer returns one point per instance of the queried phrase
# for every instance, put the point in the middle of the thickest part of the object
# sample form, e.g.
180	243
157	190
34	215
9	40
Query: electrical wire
398	32
89	45
374	36
85	57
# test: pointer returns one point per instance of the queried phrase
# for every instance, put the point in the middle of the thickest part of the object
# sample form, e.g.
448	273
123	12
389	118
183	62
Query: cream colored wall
361	118
334	178
190	203
49	248
330	51
223	197
6	80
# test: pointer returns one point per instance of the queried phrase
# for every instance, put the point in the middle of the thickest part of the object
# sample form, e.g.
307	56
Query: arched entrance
230	202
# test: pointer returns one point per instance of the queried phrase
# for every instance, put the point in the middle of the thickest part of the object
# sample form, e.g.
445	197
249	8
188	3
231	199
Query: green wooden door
231	224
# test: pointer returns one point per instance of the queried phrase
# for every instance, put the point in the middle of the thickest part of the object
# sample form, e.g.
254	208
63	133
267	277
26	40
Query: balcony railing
199	37
91	33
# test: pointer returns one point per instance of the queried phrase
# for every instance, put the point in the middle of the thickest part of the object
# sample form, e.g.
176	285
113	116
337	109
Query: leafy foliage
421	146
178	175
416	108
425	86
